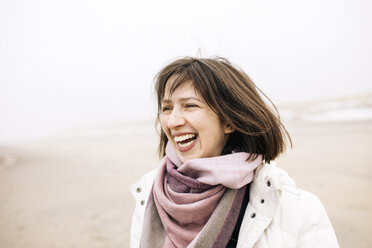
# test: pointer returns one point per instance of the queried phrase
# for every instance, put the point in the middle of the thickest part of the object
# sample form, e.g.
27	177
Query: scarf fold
196	203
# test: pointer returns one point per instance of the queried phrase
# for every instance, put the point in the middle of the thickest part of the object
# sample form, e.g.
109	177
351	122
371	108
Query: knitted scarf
196	203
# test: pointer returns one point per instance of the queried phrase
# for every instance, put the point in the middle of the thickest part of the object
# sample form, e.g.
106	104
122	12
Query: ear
228	129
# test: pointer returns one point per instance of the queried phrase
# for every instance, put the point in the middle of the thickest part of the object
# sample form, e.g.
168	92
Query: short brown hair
231	94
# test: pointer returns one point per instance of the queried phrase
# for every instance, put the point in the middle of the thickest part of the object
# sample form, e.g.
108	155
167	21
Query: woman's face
192	128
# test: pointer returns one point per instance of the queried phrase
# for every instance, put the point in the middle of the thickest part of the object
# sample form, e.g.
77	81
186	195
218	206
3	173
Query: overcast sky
73	63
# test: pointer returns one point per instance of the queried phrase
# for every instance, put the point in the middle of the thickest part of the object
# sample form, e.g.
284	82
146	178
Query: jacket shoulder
297	214
316	229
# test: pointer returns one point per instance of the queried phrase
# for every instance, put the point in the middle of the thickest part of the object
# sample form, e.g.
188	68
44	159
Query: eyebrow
182	99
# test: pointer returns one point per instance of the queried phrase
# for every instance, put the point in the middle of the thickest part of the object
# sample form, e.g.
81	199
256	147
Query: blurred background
77	105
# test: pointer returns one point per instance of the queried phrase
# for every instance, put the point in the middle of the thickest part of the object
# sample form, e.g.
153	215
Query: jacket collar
264	201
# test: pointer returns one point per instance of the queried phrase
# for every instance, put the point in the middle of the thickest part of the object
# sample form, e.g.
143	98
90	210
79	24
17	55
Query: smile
185	142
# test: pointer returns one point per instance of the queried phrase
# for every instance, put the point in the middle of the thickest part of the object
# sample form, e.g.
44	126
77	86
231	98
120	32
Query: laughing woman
217	185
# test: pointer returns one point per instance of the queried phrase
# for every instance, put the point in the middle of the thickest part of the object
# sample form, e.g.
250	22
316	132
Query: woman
217	185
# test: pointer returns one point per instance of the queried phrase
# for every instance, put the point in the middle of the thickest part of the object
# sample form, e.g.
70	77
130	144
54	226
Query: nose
176	119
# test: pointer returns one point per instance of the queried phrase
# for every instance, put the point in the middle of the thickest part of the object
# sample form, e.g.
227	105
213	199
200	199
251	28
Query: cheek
211	131
163	124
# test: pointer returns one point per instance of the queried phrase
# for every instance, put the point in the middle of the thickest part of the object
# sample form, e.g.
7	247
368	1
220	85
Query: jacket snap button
142	202
268	183
262	200
139	190
253	215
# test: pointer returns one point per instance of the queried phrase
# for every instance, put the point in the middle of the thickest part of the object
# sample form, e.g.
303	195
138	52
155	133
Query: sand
73	191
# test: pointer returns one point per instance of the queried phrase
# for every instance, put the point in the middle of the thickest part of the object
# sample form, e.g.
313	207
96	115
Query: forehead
174	89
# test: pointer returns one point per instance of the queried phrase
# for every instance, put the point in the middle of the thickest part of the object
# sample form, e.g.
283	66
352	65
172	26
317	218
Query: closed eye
190	105
165	108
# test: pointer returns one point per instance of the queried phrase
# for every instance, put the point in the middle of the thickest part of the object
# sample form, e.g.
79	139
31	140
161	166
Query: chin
187	158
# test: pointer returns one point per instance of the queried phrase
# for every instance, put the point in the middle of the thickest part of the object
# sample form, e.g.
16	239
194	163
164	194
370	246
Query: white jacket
278	215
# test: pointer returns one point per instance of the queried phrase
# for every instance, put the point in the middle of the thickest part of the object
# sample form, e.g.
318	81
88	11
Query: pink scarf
187	194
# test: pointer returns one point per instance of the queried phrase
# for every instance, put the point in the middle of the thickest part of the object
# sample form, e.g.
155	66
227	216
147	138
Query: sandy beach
73	191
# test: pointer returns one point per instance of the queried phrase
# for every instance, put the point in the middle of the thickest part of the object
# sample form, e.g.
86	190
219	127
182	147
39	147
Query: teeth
184	137
185	145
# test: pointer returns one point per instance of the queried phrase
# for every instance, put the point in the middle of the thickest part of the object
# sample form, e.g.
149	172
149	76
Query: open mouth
185	141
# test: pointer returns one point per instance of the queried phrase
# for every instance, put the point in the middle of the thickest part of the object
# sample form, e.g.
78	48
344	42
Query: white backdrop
73	63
